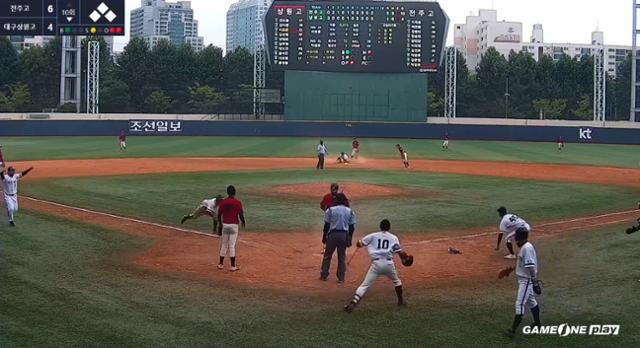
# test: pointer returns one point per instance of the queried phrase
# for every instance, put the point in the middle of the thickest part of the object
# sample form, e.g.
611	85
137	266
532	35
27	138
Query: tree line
561	89
176	79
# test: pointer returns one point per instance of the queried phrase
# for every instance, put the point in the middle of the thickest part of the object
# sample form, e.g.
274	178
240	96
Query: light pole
506	100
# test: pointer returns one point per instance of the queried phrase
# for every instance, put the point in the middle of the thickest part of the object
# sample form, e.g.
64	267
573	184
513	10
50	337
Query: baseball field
99	257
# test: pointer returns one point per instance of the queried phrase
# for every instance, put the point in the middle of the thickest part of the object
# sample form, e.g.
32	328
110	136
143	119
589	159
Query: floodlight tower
634	62
93	76
259	59
451	78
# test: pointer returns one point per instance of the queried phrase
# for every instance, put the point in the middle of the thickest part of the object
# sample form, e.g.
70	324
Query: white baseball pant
382	267
11	203
526	296
228	240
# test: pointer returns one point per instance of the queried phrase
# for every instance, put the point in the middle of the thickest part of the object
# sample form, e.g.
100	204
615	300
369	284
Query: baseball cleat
324	279
350	307
510	333
234	269
510	257
220	266
184	218
12	224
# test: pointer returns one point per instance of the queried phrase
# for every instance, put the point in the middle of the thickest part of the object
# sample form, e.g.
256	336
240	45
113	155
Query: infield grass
38	148
68	284
437	202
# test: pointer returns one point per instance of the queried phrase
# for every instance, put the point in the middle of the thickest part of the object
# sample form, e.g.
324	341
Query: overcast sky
563	20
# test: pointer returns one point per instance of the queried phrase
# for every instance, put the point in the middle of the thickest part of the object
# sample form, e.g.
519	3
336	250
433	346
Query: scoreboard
62	17
356	36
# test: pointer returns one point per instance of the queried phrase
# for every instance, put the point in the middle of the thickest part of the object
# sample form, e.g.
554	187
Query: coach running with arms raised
339	224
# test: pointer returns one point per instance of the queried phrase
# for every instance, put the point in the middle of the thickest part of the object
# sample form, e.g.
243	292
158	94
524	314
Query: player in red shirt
329	200
404	155
122	138
560	142
230	214
355	148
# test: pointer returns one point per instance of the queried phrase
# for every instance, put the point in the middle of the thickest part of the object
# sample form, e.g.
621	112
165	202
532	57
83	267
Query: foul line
586	218
444	239
121	217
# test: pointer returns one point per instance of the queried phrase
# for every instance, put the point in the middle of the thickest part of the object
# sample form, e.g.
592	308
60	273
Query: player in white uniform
343	158
381	246
206	207
10	189
509	223
527	272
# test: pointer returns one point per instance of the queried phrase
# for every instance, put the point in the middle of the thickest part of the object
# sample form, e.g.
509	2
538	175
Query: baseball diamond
90	206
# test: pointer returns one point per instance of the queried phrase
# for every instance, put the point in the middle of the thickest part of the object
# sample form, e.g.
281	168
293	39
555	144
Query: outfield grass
67	284
36	148
445	202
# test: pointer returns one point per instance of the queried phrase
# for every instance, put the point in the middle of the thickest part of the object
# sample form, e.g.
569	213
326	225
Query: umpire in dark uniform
339	224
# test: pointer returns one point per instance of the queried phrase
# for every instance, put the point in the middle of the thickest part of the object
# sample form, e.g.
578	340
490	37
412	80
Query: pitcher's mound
353	190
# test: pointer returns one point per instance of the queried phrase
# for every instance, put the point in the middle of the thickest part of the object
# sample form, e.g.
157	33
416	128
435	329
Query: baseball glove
537	287
407	260
505	272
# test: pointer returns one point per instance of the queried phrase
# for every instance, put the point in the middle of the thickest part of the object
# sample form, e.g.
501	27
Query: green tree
114	95
5	103
158	102
551	109
622	91
209	67
238	68
20	97
522	73
491	76
133	68
205	100
436	104
40	70
8	62
584	110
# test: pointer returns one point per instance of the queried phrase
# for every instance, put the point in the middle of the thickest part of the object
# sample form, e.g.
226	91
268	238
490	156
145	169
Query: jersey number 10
383	244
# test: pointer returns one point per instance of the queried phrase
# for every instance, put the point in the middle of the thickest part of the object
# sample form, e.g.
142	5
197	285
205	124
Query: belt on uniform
343	231
382	259
10	194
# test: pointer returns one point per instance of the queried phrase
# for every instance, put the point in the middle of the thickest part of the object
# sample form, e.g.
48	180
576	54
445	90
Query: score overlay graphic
62	17
356	36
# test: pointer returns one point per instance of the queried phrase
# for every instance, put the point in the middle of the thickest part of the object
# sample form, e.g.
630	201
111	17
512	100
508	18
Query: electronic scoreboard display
62	17
356	36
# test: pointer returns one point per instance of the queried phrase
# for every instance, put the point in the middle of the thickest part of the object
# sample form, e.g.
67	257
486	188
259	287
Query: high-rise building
241	24
614	56
156	20
480	32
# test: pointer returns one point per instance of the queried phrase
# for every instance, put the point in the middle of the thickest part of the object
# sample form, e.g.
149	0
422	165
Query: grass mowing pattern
35	148
453	201
69	284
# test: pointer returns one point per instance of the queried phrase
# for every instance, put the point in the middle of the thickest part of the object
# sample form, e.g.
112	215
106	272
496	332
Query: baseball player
343	158
1	158
230	214
355	148
329	200
207	207
404	155
560	142
509	223
122	138
381	246
445	143
10	189
322	151
337	234
528	285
